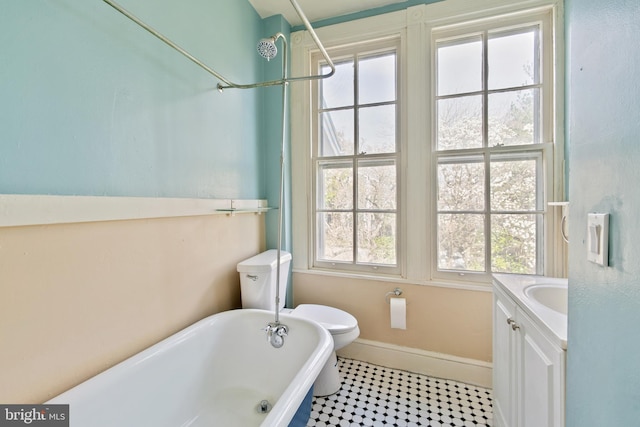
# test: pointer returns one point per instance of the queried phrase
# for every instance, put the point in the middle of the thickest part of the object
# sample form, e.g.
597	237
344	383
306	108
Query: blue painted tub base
301	417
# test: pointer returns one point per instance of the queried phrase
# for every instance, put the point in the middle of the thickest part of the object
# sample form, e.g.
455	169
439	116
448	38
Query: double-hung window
492	145
431	155
355	160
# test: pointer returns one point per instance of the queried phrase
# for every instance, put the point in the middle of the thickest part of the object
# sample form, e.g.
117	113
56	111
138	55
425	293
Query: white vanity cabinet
528	369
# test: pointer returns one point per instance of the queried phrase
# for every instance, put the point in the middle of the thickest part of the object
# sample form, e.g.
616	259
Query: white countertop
552	321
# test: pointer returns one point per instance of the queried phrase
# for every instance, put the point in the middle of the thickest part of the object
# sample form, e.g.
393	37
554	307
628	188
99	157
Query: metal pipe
226	83
281	193
151	30
318	43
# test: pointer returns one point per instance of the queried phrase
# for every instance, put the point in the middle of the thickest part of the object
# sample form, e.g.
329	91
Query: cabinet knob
513	323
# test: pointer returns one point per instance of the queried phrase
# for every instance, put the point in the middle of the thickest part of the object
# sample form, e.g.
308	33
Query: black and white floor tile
373	395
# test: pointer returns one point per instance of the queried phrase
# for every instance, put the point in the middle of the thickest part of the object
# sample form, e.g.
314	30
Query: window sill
461	285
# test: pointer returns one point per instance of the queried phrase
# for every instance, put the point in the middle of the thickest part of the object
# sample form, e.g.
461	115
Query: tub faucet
276	332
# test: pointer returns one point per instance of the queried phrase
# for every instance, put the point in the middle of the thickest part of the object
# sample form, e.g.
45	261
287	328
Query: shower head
267	48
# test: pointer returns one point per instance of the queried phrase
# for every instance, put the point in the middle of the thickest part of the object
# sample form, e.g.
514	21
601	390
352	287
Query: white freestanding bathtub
215	372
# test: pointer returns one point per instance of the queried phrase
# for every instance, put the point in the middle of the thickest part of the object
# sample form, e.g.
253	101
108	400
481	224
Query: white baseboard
438	365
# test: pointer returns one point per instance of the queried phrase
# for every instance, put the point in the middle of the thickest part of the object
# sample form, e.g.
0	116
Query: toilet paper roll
398	312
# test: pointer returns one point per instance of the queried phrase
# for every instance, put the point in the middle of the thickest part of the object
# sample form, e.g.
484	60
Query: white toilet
258	289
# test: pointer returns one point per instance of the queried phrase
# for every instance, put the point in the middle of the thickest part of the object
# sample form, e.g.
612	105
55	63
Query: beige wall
75	299
443	320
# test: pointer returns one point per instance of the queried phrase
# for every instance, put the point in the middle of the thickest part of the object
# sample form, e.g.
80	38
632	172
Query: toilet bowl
258	288
343	328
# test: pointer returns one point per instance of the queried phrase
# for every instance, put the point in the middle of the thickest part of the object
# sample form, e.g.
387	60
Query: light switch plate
598	238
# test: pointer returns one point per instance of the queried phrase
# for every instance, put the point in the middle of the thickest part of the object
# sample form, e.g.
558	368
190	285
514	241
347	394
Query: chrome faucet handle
269	330
271	326
282	330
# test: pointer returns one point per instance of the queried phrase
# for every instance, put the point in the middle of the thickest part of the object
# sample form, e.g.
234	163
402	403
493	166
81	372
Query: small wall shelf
232	212
246	206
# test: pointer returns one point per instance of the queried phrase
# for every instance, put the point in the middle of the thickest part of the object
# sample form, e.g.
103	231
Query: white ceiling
315	10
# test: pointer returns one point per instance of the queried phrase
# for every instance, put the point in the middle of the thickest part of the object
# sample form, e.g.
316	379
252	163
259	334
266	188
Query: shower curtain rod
228	83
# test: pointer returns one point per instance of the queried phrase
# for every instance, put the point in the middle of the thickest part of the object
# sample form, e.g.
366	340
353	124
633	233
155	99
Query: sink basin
552	296
543	299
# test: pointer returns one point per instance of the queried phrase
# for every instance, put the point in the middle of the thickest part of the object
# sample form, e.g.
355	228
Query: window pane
335	236
335	185
337	133
513	59
514	185
377	238
377	129
376	184
514	243
356	161
461	242
377	79
337	91
460	123
460	67
461	185
514	117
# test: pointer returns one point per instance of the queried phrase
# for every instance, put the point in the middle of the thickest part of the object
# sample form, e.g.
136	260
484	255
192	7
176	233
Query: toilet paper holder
396	292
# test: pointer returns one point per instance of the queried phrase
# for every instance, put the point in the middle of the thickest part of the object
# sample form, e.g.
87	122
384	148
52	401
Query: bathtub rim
288	402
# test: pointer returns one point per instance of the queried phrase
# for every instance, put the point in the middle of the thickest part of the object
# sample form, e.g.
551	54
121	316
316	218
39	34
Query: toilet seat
334	320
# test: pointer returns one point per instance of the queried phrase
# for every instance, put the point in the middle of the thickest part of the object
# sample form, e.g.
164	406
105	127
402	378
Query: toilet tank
258	279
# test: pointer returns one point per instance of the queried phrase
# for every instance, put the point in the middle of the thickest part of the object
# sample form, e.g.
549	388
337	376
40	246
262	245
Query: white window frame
414	27
365	49
544	20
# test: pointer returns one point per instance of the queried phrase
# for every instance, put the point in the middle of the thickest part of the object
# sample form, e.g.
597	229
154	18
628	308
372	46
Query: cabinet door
541	377
504	362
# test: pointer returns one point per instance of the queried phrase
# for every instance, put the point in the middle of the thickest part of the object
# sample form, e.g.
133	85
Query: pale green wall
603	106
91	104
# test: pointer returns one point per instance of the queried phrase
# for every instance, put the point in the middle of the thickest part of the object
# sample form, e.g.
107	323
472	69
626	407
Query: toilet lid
334	320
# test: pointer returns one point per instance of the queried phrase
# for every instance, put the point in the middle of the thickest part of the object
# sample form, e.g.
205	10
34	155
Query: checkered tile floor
377	396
